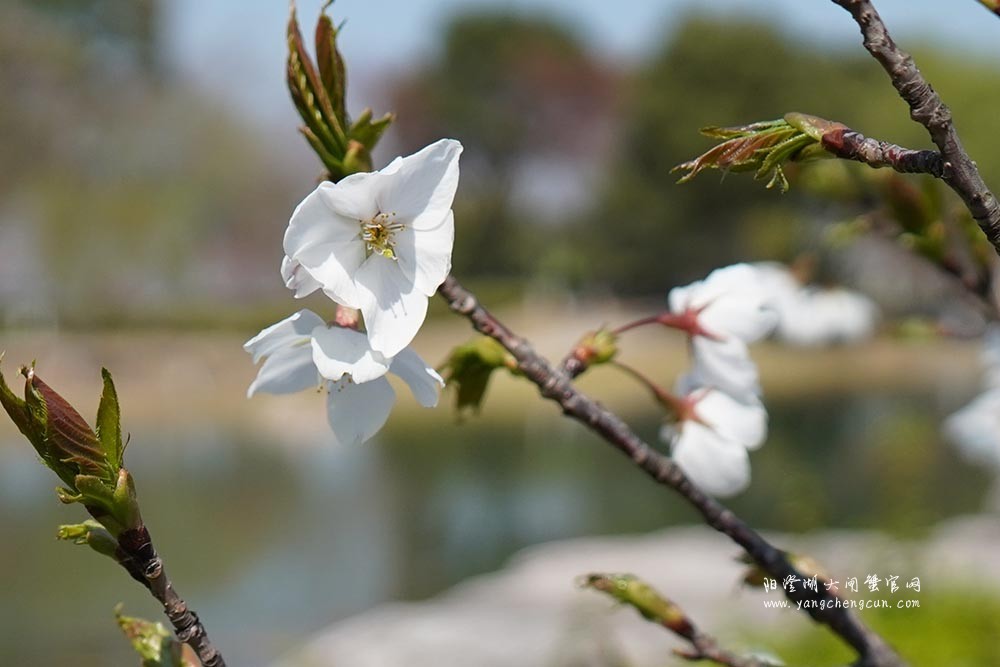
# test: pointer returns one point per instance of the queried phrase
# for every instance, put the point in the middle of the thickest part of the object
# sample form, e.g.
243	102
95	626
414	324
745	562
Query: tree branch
992	5
554	385
927	108
139	558
848	144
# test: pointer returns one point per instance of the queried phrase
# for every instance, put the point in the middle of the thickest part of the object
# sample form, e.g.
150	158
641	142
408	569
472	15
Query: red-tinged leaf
332	72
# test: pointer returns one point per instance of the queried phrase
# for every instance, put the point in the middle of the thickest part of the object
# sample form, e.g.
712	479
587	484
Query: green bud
595	348
88	463
62	438
318	92
805	565
813	126
629	589
154	644
90	533
469	367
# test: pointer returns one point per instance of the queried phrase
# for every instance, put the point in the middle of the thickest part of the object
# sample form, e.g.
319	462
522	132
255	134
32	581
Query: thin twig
554	385
992	5
140	559
848	144
656	608
926	108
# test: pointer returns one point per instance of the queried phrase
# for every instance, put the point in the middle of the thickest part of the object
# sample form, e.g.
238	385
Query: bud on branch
765	146
320	98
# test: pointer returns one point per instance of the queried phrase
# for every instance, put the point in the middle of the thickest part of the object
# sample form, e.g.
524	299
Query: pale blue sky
237	46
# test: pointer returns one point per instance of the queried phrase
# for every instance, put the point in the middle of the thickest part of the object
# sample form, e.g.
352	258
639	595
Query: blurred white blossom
711	437
975	428
722	314
811	316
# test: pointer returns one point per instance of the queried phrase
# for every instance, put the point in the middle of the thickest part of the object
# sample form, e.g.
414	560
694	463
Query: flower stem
652	319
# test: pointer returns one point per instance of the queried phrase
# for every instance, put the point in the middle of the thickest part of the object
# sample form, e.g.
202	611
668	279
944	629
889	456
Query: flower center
379	234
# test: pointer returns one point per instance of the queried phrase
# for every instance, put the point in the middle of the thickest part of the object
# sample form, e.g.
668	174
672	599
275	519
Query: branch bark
139	558
851	145
992	5
927	108
554	385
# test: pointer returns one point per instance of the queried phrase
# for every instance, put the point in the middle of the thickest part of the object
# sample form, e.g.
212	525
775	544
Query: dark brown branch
991	5
926	108
850	145
140	559
554	385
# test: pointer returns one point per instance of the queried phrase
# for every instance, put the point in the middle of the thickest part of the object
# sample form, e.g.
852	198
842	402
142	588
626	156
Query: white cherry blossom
975	429
380	242
711	439
722	314
303	352
811	316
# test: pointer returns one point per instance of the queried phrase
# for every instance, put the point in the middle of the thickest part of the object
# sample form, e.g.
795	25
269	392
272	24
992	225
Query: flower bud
631	590
596	347
62	438
88	462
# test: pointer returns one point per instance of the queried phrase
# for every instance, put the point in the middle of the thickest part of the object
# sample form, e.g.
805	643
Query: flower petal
725	365
355	411
976	429
420	188
424	381
716	465
287	371
734	302
392	306
326	243
297	278
332	265
353	197
429	261
293	330
744	423
336	351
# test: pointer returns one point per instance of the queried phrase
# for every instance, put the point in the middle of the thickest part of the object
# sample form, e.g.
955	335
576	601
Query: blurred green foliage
643	234
953	626
140	199
124	193
512	88
734	73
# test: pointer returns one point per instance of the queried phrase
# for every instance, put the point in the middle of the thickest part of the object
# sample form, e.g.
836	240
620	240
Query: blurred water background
148	165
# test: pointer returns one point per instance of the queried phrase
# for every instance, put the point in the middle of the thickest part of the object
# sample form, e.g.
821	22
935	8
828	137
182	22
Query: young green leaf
109	430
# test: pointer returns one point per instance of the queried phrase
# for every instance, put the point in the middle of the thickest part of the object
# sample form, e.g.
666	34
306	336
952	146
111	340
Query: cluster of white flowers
720	415
975	428
812	316
380	243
